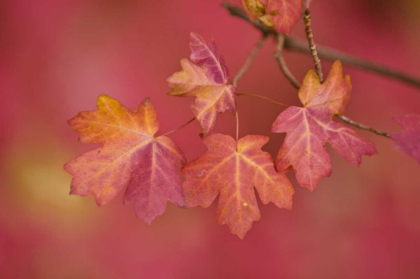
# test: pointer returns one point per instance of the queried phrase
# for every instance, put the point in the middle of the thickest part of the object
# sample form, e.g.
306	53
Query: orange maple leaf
205	77
282	14
233	169
309	127
130	155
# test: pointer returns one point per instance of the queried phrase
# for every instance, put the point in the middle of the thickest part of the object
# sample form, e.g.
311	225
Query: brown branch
347	59
282	63
362	127
294	44
248	61
312	45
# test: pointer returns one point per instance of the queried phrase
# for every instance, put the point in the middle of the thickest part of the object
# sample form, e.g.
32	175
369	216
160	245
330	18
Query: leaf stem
237	125
179	128
312	45
362	126
249	60
293	44
262	97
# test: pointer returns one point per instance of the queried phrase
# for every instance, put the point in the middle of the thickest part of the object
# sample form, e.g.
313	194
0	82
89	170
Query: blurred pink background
56	57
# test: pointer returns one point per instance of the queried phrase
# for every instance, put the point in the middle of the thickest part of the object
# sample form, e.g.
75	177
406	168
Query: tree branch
249	60
312	45
362	127
294	44
347	59
282	63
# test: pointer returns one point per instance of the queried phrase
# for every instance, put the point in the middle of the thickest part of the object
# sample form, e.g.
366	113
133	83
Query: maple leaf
257	9
130	155
408	140
309	127
282	14
206	77
232	169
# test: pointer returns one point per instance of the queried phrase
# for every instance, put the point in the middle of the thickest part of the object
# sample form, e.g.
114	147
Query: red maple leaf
205	77
310	126
408	140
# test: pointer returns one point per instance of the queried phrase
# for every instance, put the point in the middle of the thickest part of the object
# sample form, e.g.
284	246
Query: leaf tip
103	99
195	36
311	75
348	80
337	63
148	221
70	122
311	188
147	100
66	167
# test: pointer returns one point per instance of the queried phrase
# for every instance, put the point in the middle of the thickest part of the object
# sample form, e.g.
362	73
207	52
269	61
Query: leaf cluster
154	169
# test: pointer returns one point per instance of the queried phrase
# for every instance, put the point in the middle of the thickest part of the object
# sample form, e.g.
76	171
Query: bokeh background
56	57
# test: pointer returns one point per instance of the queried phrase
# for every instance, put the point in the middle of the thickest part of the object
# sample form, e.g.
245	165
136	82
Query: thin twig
312	45
294	44
262	97
249	60
242	72
362	127
282	63
179	128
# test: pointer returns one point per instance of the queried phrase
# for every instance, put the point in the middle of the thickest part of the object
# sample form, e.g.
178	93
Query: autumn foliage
309	127
131	156
154	169
408	140
282	14
232	169
205	76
